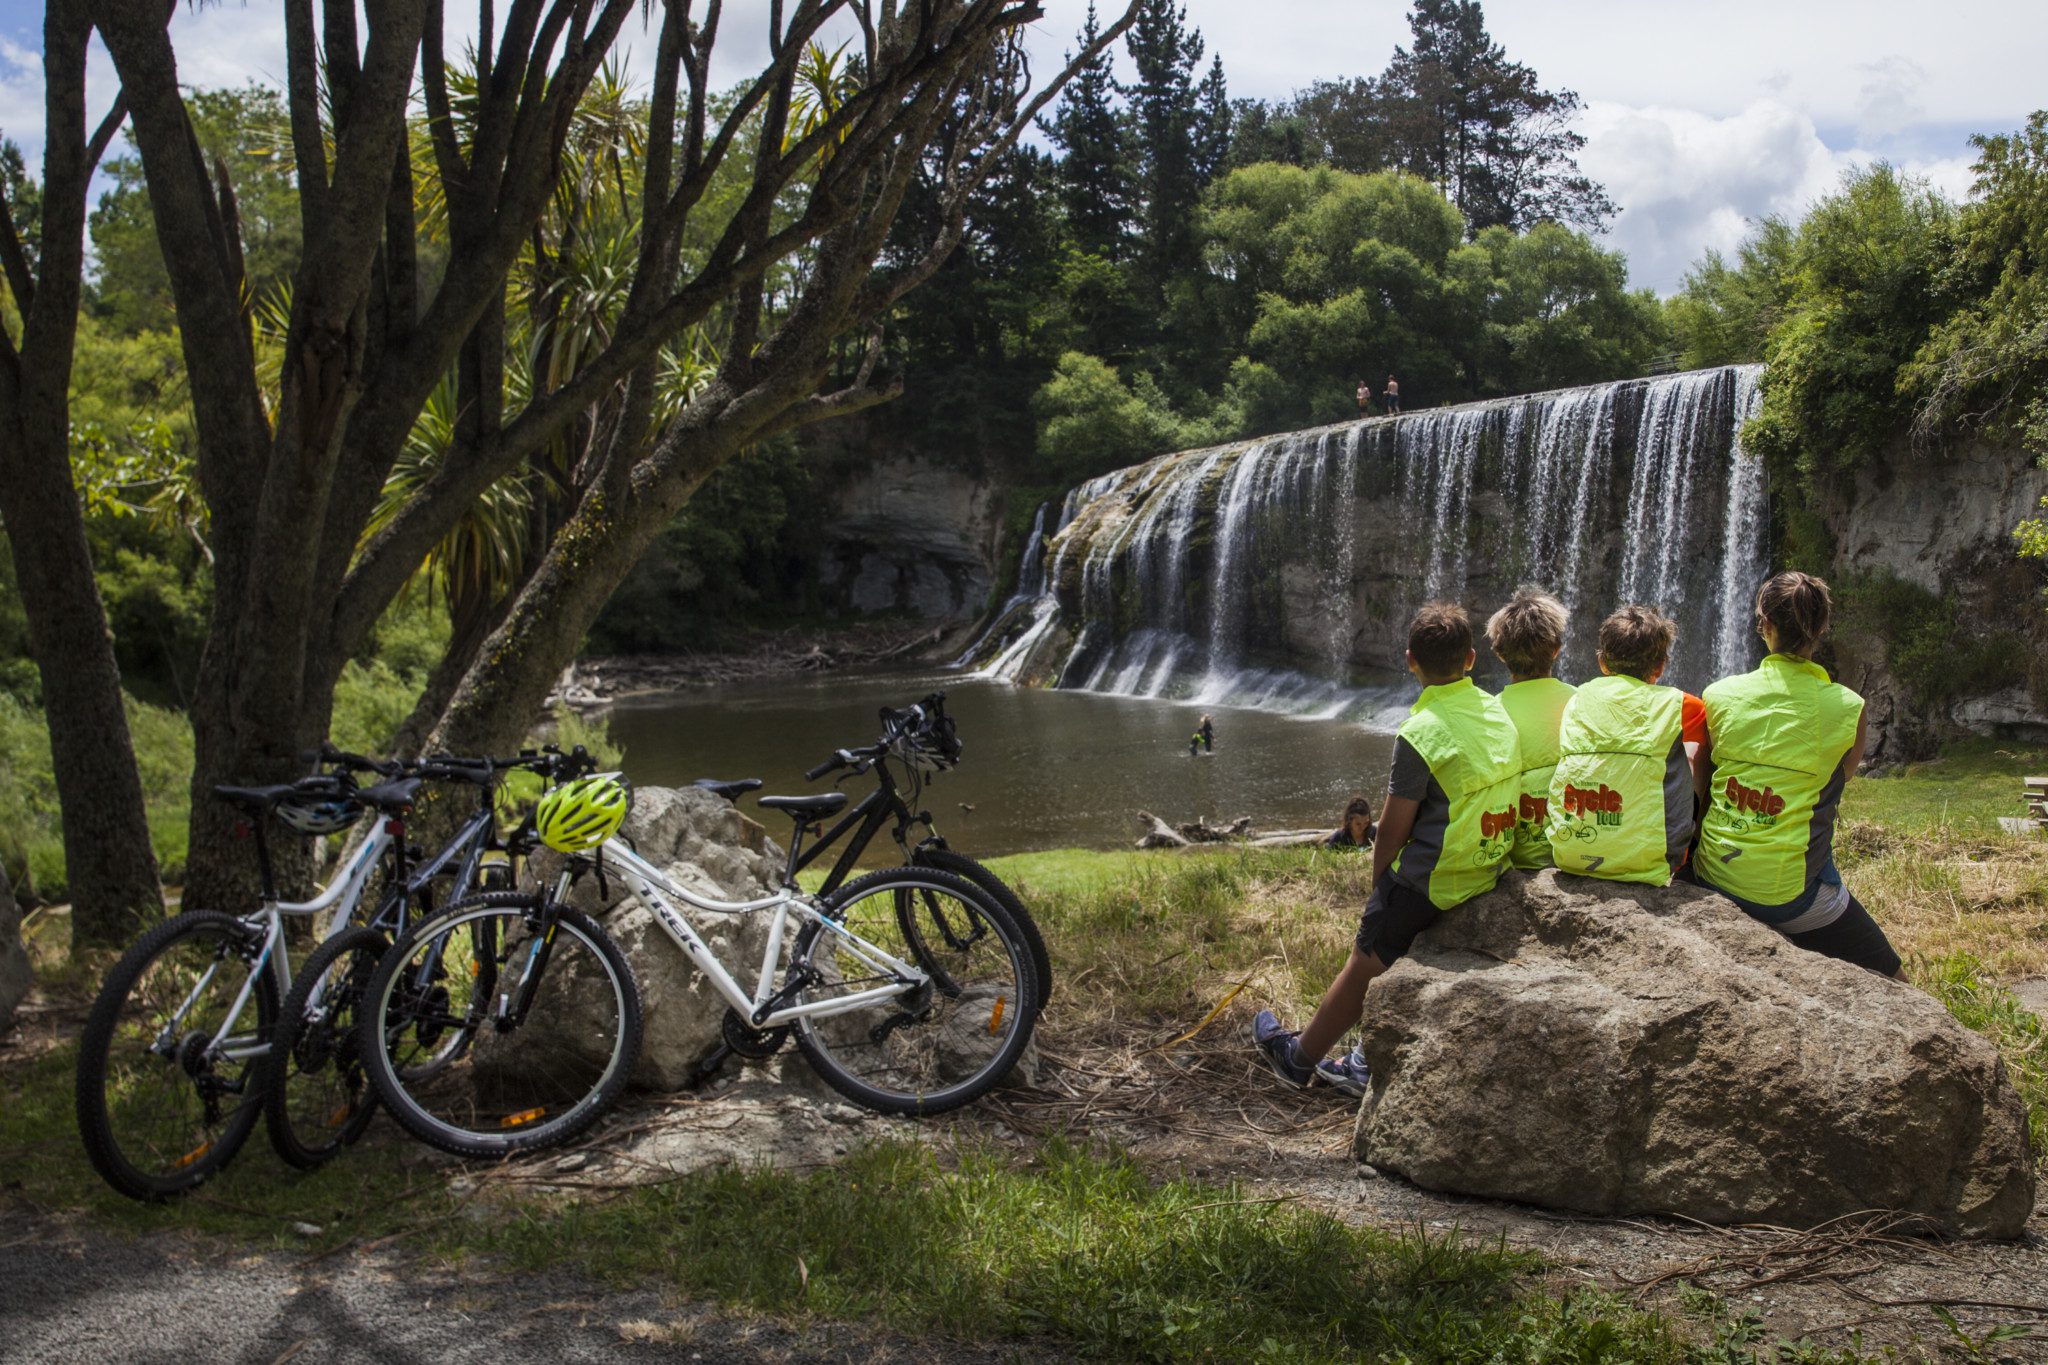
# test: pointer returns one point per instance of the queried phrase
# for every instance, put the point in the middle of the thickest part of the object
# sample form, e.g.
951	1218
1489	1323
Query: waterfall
1280	572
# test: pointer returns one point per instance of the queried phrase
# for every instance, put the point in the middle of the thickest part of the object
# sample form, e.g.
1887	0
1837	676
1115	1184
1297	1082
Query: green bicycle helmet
578	816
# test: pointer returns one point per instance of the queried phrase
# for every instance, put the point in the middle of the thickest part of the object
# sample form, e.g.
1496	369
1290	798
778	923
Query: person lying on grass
1444	836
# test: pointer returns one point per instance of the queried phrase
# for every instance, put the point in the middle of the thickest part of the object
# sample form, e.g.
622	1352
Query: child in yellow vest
1781	744
1444	835
1526	635
1621	797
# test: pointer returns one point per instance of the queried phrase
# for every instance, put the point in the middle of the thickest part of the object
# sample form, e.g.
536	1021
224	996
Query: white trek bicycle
909	990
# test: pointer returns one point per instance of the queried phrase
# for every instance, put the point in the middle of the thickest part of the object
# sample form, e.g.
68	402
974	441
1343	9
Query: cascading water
1280	573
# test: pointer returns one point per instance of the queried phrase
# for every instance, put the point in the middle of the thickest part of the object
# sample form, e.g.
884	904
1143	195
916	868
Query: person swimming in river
1357	828
1208	734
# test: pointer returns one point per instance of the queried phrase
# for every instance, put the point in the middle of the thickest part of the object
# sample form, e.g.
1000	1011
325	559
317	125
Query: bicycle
896	1020
920	737
172	1070
316	1097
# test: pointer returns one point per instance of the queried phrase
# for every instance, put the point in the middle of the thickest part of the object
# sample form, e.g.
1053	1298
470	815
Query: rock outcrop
1617	1049
15	977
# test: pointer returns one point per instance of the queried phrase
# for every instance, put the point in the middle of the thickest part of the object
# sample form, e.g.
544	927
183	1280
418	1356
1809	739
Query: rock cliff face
1944	524
1617	1049
902	534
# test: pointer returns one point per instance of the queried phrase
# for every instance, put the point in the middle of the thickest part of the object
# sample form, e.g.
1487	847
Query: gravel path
69	1292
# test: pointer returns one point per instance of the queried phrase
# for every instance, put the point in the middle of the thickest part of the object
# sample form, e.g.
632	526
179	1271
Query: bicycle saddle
257	798
805	807
731	791
391	797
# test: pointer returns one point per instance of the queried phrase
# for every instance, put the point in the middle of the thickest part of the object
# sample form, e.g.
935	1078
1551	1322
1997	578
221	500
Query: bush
32	826
1926	646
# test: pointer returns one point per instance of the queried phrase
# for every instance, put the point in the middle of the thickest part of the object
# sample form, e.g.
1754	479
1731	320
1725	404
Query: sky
1701	116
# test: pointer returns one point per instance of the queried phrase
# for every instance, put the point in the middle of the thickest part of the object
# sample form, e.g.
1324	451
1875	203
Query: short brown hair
1797	606
1527	633
1636	640
1440	639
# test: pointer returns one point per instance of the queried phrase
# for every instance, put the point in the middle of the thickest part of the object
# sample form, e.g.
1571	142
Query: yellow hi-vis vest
1608	815
1537	709
1779	737
1468	741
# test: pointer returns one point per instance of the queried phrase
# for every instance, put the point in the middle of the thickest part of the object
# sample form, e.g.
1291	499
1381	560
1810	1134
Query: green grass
1083	1249
1963	792
377	1189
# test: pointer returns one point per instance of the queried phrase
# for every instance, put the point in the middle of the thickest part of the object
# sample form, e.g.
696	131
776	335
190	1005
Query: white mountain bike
909	990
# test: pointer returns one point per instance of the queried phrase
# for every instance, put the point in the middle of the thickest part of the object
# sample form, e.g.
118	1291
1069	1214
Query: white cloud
1689	182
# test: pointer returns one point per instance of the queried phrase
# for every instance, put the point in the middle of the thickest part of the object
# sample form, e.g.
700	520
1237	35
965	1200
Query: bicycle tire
960	865
407	1097
124	1164
816	1037
308	1131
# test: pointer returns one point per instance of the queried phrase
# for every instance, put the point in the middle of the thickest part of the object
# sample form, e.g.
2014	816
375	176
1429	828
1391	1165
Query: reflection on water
1042	769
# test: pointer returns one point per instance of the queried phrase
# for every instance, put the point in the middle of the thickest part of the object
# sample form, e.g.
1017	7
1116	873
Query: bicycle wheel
161	1104
550	1006
960	865
943	1044
317	1099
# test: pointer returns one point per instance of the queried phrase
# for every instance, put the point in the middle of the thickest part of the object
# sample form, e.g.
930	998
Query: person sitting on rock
1621	797
1782	742
1355	830
1444	835
1526	635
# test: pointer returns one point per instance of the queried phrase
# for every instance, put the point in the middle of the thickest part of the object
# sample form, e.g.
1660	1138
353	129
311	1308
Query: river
1041	768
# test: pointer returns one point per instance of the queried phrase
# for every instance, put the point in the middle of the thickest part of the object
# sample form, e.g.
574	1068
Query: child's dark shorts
1394	915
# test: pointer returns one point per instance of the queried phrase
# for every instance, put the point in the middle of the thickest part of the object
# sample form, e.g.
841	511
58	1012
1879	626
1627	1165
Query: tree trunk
107	854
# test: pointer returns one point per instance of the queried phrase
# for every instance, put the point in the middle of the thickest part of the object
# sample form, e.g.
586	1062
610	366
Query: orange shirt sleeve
1693	722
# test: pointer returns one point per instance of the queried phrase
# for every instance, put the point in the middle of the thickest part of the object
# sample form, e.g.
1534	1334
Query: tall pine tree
1481	127
1094	173
1213	120
1162	115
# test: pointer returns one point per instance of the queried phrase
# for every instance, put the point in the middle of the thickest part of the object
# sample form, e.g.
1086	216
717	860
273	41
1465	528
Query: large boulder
702	843
15	977
1618	1049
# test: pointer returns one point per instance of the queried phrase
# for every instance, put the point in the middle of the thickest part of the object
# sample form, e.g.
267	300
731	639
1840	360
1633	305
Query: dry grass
1941	892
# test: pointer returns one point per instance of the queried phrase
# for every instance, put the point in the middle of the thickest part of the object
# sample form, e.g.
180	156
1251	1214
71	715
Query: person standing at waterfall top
1621	796
1782	742
1391	390
1445	832
1527	635
1364	399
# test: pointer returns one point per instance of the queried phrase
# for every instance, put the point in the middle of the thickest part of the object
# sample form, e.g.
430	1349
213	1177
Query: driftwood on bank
1154	832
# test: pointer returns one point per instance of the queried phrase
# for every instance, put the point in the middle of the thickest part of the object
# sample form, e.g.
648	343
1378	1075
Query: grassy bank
1070	1243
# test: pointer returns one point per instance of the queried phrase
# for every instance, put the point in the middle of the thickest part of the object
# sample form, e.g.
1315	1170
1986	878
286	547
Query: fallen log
1154	832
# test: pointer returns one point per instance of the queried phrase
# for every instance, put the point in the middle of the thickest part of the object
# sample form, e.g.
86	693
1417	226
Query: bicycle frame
655	890
340	899
871	812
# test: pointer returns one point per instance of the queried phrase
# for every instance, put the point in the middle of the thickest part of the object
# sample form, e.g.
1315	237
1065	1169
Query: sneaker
1276	1045
1349	1074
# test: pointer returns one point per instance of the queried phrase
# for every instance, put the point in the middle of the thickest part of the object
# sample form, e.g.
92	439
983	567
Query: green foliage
246	132
1987	364
31	824
1090	420
1928	646
1724	314
1957	981
741	548
1862	298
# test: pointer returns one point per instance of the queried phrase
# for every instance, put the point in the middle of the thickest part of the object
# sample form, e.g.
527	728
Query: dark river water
1042	769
